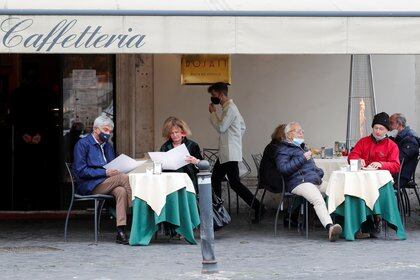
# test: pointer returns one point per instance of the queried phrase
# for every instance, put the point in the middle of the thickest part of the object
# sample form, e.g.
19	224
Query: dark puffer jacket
294	167
269	176
408	144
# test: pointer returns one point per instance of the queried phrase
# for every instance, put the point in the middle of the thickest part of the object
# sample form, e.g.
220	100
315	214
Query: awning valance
216	26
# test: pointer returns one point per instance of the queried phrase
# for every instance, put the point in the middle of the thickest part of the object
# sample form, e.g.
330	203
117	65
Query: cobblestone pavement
35	250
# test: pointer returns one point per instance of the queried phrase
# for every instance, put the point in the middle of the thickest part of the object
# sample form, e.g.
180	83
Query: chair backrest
399	173
244	168
69	167
257	160
413	176
211	155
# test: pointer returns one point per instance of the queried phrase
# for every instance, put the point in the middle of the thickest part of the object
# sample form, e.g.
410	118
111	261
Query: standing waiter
231	128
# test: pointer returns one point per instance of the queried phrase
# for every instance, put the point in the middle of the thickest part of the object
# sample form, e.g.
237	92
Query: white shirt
231	127
102	147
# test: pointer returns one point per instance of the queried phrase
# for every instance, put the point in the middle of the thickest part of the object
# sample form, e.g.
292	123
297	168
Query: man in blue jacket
302	176
408	144
90	155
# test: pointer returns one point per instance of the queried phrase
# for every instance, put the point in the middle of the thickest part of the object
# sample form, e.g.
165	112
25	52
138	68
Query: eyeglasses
299	131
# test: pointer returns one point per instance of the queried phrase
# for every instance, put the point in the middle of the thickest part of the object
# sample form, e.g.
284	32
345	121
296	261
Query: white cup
157	167
354	164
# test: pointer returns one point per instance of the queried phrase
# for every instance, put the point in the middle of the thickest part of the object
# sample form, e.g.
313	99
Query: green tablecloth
180	210
355	212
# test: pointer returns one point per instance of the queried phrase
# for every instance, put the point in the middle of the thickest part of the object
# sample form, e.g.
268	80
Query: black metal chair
399	194
99	200
283	195
411	184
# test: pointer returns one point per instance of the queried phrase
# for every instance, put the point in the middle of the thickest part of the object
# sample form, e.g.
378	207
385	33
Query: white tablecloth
153	189
329	165
362	184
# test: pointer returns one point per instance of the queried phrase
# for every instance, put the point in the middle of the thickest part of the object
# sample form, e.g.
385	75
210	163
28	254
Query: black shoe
121	238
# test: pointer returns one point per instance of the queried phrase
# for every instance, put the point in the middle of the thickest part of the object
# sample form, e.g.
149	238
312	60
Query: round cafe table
166	197
359	194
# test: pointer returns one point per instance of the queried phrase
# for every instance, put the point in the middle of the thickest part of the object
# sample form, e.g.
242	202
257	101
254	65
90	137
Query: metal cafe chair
399	194
211	155
283	195
99	200
411	184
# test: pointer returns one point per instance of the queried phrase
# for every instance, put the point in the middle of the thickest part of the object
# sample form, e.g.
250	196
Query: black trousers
231	169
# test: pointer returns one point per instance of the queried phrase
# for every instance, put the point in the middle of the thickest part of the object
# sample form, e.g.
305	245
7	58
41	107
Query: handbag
221	216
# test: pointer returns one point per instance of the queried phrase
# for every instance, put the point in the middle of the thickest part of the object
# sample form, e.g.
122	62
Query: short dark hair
219	87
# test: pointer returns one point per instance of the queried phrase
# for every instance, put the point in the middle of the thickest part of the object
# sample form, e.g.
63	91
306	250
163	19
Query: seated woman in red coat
377	151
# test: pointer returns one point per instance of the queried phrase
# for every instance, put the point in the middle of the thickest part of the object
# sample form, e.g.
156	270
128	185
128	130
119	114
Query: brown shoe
334	232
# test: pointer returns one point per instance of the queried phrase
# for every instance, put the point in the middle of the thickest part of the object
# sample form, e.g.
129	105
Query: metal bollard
206	218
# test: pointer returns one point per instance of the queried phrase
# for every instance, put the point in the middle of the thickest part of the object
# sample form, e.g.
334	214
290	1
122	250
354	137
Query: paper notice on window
124	163
172	159
84	78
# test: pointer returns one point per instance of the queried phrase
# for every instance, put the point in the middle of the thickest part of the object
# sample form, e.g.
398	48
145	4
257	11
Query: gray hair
289	126
400	118
102	121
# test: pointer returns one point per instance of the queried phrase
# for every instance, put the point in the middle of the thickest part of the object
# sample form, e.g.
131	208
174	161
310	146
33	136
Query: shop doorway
31	132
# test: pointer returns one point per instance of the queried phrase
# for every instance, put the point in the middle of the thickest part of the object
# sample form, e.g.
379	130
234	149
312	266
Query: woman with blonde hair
175	131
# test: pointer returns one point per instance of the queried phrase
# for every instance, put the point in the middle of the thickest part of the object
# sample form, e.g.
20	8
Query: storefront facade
98	59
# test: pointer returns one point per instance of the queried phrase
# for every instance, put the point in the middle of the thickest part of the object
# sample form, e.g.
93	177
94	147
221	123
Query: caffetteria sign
29	35
116	34
22	33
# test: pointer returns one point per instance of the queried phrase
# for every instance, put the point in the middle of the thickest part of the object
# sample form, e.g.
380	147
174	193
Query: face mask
104	137
215	100
378	138
393	133
298	141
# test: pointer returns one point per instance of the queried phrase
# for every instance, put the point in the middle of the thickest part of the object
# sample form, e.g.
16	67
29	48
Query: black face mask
215	100
104	137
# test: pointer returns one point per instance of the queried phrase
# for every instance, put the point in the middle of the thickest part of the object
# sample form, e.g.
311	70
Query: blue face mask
298	141
104	137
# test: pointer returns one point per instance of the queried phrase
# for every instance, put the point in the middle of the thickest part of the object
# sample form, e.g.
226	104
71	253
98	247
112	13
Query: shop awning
210	26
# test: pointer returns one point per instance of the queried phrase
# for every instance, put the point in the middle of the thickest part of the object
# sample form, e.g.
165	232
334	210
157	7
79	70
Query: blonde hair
172	122
278	133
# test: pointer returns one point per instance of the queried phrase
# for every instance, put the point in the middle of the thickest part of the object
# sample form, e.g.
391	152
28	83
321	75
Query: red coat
385	151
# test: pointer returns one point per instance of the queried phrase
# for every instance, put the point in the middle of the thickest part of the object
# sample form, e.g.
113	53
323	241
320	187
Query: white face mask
379	138
392	133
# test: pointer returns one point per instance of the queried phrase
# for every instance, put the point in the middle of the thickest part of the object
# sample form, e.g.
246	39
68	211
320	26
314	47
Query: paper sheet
172	159
124	163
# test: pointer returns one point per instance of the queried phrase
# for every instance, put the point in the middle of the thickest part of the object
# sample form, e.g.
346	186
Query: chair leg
290	212
101	206
96	221
407	200
237	204
277	214
400	206
261	204
228	189
417	194
252	204
306	219
67	219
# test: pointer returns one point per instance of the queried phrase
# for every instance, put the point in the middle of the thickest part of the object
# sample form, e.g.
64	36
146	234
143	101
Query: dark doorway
30	113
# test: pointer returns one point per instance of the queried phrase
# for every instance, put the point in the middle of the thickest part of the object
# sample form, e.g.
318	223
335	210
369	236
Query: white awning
210	26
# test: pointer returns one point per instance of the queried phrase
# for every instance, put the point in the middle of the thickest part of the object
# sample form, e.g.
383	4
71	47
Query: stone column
134	104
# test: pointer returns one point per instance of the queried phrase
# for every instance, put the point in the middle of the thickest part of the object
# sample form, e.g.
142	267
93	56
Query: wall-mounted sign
205	69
